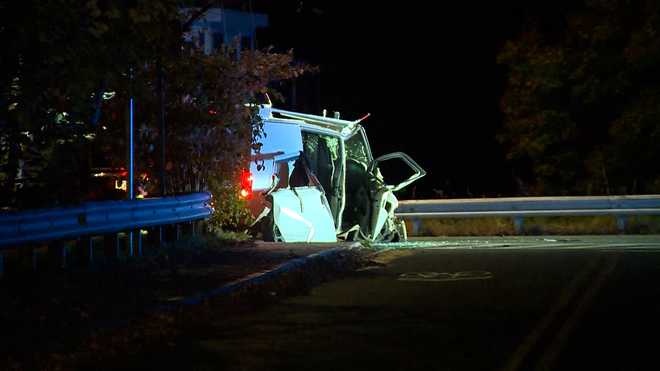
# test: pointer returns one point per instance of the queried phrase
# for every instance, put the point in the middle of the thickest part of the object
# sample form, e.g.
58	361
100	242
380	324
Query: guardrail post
111	246
35	259
178	232
90	249
108	245
131	236
64	256
416	225
518	224
193	229
139	241
56	255
621	223
160	236
117	246
2	265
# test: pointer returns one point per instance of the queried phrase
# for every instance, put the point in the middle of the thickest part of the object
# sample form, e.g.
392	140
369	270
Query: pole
131	148
131	156
161	118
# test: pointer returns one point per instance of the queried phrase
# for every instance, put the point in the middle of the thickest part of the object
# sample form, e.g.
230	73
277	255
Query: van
314	179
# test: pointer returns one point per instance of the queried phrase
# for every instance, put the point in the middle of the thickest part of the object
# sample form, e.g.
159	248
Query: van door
300	211
296	207
281	138
326	160
358	185
383	222
302	214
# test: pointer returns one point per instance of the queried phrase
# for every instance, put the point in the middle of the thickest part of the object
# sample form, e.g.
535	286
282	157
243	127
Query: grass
231	236
562	225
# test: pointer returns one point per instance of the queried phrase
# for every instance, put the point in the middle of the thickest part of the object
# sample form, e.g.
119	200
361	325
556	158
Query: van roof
343	127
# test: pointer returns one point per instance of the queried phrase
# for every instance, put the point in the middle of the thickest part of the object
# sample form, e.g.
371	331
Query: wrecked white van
315	180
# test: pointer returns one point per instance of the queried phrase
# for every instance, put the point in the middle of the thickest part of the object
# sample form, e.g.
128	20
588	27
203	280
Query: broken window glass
356	149
322	153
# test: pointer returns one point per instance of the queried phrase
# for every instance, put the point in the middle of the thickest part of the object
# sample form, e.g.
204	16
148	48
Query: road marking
444	276
533	337
551	354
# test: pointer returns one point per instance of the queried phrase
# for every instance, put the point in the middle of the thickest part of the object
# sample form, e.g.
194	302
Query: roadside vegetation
67	76
582	101
536	226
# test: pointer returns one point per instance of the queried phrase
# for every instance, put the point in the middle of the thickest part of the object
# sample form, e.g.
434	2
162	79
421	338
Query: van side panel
302	215
282	138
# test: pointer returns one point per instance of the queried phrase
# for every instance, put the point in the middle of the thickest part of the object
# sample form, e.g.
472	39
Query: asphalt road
543	303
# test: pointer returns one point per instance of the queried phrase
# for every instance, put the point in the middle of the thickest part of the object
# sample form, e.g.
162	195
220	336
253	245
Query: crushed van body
315	179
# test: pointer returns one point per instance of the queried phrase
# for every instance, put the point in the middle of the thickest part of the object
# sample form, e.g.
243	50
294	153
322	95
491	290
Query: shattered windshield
356	148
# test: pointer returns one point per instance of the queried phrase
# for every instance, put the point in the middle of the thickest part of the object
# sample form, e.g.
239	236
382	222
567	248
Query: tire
267	226
399	234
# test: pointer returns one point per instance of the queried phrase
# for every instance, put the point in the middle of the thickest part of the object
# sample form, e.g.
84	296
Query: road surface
526	303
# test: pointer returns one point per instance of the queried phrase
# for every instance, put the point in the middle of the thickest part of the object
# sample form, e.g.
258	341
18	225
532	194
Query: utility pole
131	151
131	144
161	119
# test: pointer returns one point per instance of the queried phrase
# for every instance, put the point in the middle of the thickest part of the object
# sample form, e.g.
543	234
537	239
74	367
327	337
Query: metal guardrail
520	207
96	218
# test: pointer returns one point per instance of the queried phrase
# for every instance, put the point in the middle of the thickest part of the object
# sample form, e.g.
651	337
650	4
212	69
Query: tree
581	101
67	77
60	57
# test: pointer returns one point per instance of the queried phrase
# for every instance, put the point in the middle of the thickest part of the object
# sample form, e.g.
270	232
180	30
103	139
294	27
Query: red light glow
246	184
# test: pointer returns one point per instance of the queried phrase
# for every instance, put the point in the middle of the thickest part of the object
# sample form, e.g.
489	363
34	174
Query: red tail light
246	185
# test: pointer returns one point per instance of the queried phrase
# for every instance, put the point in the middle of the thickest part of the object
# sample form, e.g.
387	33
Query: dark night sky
427	74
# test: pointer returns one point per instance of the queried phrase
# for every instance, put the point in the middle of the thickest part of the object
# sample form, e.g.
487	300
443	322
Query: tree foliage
68	72
582	100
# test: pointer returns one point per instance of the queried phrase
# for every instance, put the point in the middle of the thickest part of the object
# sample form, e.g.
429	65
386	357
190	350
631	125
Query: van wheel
401	231
398	234
263	229
267	226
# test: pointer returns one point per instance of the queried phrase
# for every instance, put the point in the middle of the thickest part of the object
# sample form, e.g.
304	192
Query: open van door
384	225
418	172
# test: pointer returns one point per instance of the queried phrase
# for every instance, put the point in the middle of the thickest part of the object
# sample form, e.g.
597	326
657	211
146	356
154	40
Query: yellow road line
549	357
532	339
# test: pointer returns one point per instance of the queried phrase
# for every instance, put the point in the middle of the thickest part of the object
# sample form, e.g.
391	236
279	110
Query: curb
292	276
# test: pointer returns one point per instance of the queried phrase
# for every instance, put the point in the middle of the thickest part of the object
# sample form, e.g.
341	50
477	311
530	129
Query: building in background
219	26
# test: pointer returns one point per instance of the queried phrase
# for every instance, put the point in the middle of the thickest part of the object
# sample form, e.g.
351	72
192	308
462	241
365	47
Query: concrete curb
294	275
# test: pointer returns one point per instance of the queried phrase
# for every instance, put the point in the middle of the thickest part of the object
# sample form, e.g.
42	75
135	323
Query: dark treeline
582	101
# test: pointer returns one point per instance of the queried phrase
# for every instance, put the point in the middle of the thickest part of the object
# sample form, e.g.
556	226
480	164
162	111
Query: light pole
131	152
